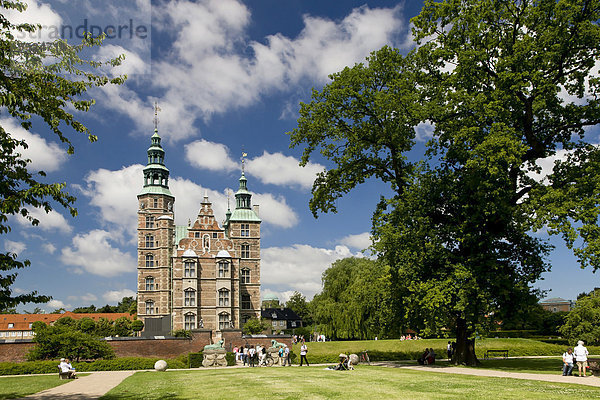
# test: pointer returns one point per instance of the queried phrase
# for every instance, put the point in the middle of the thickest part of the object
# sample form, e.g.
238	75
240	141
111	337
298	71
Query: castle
199	276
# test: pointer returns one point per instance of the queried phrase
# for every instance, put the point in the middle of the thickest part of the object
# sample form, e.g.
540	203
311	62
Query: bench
63	375
502	352
594	366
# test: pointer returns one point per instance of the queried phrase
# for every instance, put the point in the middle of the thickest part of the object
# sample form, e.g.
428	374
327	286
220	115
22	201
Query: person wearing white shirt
581	354
568	362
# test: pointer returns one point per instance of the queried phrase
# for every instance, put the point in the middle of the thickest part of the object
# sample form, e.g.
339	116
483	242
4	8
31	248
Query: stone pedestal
274	352
214	358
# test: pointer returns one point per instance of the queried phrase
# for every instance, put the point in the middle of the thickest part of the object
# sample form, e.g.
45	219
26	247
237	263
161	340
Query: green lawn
316	383
529	365
19	386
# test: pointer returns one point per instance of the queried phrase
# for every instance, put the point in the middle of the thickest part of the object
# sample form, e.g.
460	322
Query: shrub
195	360
182	333
230	357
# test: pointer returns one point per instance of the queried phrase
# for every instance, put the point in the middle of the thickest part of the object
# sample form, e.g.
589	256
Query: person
66	367
343	364
581	354
281	354
252	355
245	356
449	350
263	356
421	360
568	362
303	351
286	353
430	359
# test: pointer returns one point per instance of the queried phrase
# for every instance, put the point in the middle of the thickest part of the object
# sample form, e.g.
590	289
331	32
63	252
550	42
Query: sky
228	76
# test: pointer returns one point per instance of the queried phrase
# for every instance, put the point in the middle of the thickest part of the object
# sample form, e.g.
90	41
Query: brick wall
16	351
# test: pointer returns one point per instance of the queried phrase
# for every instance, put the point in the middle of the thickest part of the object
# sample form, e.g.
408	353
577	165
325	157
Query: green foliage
86	325
195	359
122	327
104	328
182	333
492	77
137	325
64	340
300	306
270	303
355	301
254	326
45	80
583	322
230	357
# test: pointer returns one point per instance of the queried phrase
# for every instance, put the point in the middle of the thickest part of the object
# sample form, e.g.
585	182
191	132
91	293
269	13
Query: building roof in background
286	314
555	300
22	321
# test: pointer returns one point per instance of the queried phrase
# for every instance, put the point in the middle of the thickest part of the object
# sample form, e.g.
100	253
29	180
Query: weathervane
156	110
244	155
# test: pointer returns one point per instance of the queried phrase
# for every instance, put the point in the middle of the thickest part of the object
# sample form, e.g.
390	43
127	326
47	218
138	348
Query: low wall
233	338
16	351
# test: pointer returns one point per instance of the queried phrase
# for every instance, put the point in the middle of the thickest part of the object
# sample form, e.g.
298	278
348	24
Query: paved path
589	380
88	387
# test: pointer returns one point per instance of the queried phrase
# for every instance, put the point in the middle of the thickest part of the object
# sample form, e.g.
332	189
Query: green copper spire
243	200
156	175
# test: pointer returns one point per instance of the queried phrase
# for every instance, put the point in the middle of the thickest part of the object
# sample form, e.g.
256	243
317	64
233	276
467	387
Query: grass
410	349
19	386
317	383
528	365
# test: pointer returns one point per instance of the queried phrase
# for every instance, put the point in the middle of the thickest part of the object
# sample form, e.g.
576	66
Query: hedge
118	364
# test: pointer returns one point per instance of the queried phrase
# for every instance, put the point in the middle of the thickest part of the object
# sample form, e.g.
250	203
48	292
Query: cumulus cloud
547	165
45	156
115	296
115	194
279	169
360	241
93	252
214	68
298	267
209	155
52	220
14	247
36	13
56	304
49	248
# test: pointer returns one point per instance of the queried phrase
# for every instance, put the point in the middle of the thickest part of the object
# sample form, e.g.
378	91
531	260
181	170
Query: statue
217	346
201	323
275	344
231	324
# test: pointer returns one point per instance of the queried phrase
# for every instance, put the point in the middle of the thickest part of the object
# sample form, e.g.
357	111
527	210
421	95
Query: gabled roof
286	314
555	300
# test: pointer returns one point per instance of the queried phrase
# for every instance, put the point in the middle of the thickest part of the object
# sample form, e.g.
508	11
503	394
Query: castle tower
155	240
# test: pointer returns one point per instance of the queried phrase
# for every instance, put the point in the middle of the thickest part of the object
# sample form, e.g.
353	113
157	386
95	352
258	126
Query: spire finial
228	191
155	120
243	158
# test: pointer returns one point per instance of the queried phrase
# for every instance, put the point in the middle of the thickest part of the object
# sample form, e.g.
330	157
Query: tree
104	328
583	321
61	340
122	327
137	326
301	307
505	84
355	300
254	326
39	83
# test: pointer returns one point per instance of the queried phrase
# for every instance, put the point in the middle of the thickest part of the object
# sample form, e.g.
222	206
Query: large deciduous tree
505	84
583	321
40	82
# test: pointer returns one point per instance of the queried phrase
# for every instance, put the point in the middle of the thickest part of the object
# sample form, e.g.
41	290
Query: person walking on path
303	351
286	355
568	362
581	354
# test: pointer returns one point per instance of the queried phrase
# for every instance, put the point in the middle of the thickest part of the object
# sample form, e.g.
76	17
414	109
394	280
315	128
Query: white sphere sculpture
353	359
160	365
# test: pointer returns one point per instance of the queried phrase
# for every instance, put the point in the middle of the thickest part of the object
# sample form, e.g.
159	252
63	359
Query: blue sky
228	76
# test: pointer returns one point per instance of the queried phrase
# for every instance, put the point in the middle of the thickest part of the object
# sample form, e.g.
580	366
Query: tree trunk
465	347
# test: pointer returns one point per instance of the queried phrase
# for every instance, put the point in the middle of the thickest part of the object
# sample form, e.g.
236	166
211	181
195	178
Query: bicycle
268	362
364	357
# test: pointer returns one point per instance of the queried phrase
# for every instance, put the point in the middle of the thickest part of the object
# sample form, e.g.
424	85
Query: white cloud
44	155
209	155
49	248
587	95
89	297
115	194
424	131
279	169
52	220
298	267
115	296
360	241
14	247
36	13
132	64
210	69
547	165
92	252
56	304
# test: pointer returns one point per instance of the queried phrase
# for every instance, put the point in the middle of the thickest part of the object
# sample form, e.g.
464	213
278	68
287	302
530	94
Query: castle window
149	307
149	241
223	298
196	234
215	235
223	321
149	283
149	222
245	318
246	303
155	202
189	322
245	275
189	269
245	251
245	230
223	269
149	260
189	299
